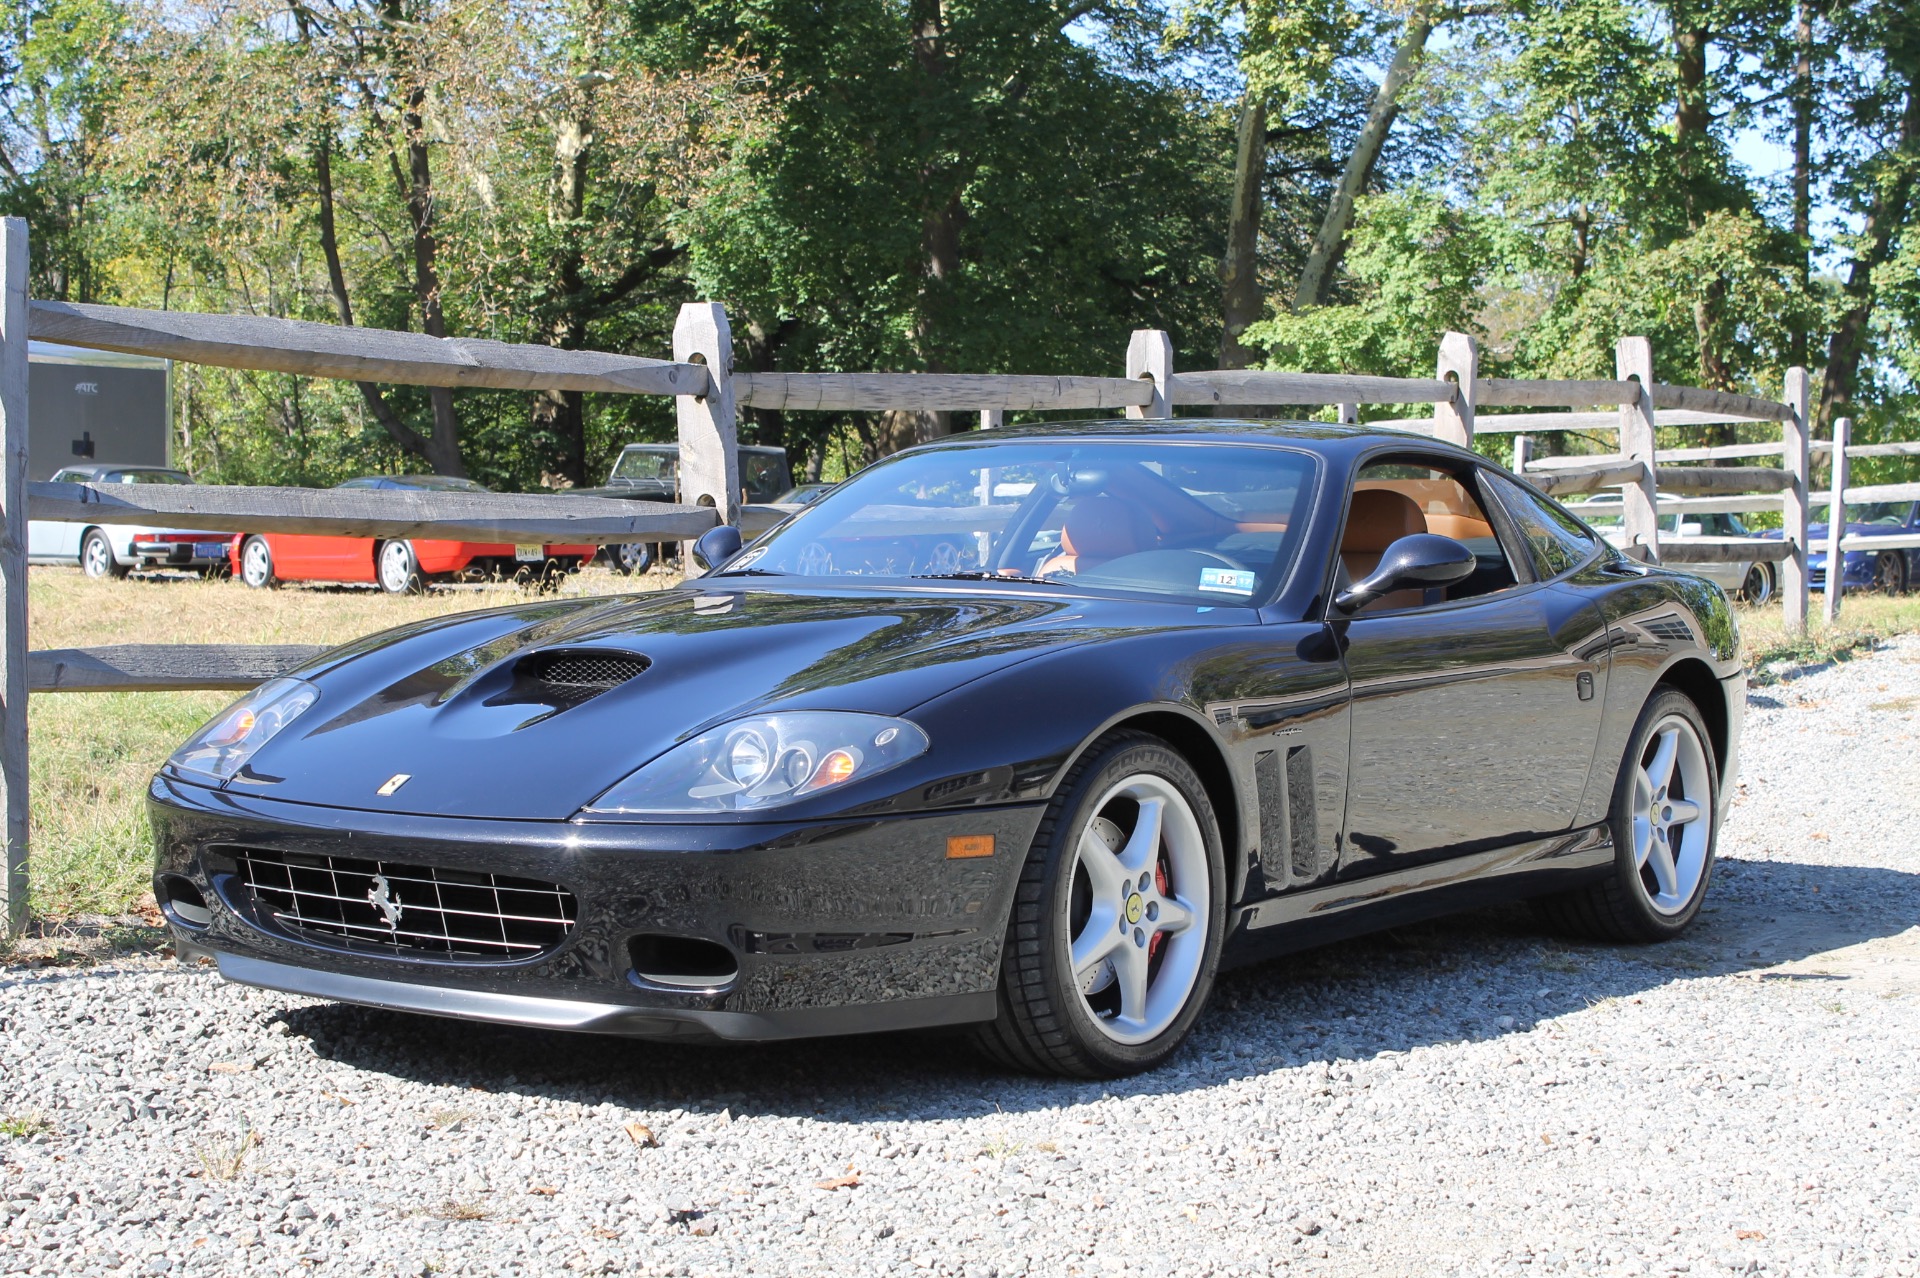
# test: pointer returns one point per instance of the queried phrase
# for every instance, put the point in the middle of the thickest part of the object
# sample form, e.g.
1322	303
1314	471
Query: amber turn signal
962	846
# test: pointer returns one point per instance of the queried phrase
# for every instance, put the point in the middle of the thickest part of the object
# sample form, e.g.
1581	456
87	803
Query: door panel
1471	727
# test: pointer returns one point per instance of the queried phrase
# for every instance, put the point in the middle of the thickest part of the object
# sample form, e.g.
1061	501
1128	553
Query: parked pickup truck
651	472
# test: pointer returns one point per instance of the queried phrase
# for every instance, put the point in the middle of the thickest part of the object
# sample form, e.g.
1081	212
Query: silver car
1750	581
114	550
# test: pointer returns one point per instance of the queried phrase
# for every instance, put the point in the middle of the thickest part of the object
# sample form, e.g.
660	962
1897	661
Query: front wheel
399	571
96	556
632	558
1758	586
1665	823
1890	572
1117	923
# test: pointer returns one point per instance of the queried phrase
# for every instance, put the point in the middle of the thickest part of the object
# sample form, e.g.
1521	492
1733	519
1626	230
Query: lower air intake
412	910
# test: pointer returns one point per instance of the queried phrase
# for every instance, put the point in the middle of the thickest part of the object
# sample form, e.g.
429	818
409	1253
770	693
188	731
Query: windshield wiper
975	574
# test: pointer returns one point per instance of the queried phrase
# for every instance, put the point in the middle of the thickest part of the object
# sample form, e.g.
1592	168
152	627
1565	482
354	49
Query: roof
101	468
1327	435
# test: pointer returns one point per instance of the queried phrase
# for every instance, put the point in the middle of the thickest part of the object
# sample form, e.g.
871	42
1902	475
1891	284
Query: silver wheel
1672	815
256	564
399	574
96	556
1140	906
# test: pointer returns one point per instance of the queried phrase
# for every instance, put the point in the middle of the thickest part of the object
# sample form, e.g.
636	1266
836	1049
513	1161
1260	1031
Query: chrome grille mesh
582	671
415	910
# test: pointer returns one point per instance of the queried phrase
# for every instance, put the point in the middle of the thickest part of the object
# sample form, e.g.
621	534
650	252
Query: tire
1142	985
1639	901
1759	584
1890	572
632	558
396	569
256	564
96	556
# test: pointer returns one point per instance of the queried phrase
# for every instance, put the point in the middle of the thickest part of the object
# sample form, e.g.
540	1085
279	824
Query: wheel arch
1695	679
80	549
1196	743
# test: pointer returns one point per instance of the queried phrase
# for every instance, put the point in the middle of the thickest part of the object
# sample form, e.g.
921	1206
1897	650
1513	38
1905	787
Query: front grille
419	910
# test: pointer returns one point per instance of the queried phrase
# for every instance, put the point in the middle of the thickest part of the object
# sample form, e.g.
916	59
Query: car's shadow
1472	976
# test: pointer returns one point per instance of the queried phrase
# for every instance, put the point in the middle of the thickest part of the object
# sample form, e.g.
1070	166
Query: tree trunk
1316	278
443	446
1884	217
1802	169
561	414
942	184
1240	299
402	434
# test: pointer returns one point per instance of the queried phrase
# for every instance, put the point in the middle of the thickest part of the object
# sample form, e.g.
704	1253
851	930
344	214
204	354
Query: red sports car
399	567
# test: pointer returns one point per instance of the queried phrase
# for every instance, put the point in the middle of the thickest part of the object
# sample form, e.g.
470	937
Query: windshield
646	463
1885	514
764	476
146	477
1210	523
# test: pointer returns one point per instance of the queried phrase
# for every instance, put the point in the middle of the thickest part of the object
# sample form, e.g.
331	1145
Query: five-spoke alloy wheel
96	556
399	571
1664	823
256	563
1116	928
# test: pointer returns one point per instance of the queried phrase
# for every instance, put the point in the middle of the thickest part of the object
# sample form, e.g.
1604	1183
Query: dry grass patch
1865	620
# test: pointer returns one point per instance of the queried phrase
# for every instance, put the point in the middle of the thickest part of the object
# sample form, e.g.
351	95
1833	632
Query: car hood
452	704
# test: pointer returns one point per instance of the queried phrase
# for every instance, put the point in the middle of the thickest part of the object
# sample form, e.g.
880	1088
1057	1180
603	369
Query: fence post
1460	357
1837	517
709	425
1522	454
991	417
1150	358
1639	517
13	572
1793	512
1347	414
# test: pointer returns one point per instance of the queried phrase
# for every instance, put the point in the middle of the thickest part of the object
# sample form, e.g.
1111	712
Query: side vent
1303	815
1272	794
1670	628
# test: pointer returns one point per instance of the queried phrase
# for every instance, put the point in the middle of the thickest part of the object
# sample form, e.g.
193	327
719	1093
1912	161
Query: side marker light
961	847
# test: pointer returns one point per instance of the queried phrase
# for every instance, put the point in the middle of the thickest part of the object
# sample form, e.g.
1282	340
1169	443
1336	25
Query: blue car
1891	570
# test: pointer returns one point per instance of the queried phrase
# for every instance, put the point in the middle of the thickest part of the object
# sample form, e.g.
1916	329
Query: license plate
530	554
209	550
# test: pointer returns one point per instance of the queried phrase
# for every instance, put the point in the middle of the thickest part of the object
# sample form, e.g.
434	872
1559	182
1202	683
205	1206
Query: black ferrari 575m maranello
1027	730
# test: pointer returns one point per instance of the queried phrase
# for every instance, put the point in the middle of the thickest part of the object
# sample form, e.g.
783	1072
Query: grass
92	753
25	1126
225	1157
1865	620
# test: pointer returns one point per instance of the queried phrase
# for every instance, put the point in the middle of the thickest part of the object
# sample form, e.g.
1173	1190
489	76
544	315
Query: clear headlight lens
765	762
222	748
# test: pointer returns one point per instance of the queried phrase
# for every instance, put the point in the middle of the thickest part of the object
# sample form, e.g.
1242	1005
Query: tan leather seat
1378	518
1099	529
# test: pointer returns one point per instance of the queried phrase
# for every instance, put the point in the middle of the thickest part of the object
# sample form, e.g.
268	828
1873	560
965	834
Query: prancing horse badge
394	782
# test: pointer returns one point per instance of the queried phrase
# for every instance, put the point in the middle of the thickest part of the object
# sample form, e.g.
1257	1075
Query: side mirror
1691	528
1422	559
716	546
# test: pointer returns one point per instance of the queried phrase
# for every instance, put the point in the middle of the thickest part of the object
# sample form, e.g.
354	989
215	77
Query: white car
1751	581
114	550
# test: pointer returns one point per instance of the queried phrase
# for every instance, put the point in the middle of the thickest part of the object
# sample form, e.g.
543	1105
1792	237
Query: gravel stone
1471	1096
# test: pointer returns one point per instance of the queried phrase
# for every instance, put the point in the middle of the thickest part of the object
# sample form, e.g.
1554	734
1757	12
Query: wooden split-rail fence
708	394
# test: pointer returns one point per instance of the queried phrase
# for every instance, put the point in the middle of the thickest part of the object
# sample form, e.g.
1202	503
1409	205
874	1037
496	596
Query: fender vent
1670	628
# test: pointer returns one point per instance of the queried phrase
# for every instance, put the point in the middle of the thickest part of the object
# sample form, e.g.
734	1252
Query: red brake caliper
1159	882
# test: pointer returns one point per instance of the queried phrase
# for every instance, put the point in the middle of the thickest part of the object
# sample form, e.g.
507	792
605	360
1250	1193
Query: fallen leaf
643	1135
839	1182
231	1067
1748	1233
545	1191
1545	1139
601	1231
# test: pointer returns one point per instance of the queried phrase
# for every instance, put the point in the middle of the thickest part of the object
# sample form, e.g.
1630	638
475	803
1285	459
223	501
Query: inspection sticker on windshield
1227	581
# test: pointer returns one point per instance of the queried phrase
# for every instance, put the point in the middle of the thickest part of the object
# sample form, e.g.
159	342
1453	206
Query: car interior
1394	499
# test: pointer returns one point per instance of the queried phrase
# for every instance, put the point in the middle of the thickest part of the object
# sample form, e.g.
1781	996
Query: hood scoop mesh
566	678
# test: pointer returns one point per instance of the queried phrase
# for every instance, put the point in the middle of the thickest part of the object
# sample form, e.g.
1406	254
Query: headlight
222	748
765	762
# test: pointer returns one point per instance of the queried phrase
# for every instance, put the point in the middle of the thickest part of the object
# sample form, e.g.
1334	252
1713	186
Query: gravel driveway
1470	1096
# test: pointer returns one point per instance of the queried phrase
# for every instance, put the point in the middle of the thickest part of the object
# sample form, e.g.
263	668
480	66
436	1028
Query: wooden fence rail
708	394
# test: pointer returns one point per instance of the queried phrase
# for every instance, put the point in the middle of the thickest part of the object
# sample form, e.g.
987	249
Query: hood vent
566	678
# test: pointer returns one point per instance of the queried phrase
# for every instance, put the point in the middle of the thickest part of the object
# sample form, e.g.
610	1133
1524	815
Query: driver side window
1399	496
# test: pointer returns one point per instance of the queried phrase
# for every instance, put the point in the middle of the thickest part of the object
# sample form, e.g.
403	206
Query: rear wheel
96	556
1665	823
399	571
256	563
632	558
1117	925
1758	586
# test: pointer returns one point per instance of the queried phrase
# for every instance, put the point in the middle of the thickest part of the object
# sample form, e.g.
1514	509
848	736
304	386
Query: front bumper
835	927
